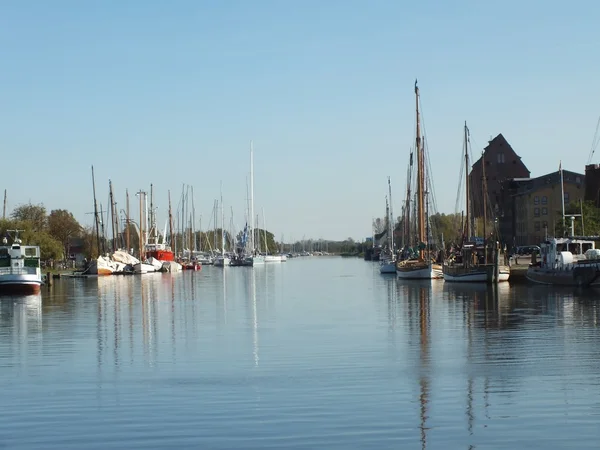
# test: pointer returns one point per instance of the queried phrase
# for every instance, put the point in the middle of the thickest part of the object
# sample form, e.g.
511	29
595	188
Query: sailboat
222	260
388	259
473	263
255	258
421	265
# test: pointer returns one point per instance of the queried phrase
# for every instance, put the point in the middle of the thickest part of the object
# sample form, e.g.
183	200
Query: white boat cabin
561	253
17	258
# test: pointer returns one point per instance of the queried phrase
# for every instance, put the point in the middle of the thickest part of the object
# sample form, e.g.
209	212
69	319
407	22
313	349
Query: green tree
50	248
591	220
35	214
63	226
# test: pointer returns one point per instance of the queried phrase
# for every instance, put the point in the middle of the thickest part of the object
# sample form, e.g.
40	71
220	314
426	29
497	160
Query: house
531	208
76	250
501	163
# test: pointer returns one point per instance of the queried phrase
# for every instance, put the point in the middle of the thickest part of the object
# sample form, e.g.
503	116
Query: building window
500	158
544	224
536	200
537	225
578	180
566	198
536	212
544	200
544	211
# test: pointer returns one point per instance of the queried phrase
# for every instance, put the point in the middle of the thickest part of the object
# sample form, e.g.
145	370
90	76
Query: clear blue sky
172	92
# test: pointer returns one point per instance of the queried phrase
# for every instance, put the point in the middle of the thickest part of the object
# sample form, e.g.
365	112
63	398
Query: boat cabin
16	256
560	253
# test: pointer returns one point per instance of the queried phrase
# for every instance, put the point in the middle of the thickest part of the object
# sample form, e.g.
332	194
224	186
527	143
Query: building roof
527	185
497	143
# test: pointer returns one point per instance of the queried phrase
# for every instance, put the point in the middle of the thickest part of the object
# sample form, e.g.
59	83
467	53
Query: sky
172	93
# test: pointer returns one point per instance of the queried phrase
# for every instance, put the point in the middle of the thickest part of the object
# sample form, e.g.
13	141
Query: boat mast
467	209
420	178
171	241
222	223
252	223
391	216
484	203
141	227
562	196
4	208
147	227
127	222
152	221
387	223
96	212
112	216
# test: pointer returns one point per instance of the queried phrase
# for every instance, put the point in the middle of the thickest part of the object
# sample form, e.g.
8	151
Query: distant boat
387	260
20	271
222	260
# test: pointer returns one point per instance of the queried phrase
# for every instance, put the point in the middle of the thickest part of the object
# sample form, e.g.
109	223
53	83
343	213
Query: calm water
313	353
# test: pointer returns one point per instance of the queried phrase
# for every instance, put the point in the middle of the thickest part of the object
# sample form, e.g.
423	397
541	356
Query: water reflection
240	358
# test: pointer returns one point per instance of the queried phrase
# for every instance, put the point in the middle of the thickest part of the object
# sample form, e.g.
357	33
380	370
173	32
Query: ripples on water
313	353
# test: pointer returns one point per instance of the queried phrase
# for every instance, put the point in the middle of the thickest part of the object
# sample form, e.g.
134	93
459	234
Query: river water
315	353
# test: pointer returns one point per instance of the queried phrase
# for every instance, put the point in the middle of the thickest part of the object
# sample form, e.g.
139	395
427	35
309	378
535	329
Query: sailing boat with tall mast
388	258
421	264
472	263
222	260
255	258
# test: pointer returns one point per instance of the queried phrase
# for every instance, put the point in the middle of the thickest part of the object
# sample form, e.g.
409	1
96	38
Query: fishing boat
475	262
563	262
420	264
20	271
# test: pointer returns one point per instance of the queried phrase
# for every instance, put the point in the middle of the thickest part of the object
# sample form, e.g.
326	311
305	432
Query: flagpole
562	194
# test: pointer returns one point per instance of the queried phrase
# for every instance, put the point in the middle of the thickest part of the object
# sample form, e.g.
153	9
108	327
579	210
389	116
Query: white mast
146	218
252	218
222	224
562	195
391	218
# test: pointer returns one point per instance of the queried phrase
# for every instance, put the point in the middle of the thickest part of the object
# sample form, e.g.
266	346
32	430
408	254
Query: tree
63	226
270	246
35	214
50	248
591	220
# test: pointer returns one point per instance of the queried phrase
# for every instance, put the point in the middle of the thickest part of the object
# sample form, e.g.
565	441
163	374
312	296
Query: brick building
501	163
532	207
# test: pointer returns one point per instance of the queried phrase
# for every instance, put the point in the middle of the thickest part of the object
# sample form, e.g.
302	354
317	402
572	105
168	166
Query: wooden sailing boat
473	263
421	266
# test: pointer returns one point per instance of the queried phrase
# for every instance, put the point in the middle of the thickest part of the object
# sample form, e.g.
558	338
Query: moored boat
20	271
559	266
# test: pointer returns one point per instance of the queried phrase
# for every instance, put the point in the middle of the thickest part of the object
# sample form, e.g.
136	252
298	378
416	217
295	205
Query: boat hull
578	276
273	259
20	284
387	267
221	262
161	255
477	274
418	271
142	268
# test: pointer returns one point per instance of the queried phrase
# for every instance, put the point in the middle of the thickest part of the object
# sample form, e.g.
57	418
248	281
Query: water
313	353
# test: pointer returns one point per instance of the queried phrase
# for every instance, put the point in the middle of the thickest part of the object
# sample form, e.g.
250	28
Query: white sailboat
420	266
255	258
387	262
222	260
